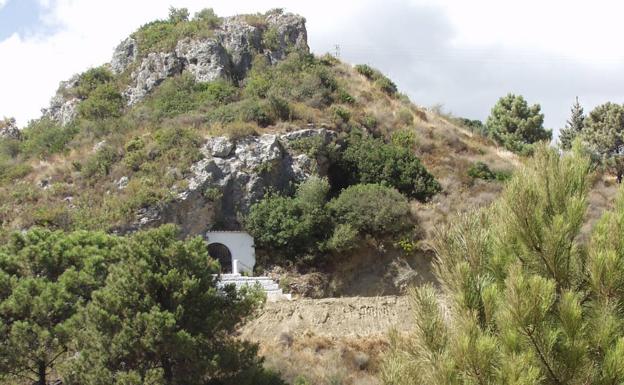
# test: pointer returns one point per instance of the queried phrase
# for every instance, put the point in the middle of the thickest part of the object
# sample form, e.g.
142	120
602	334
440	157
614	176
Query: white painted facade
241	246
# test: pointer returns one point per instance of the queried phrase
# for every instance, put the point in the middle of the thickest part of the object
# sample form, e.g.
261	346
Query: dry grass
326	360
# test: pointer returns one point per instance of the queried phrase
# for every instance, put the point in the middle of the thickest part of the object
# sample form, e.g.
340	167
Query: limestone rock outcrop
228	54
205	59
155	68
234	175
8	129
125	54
63	109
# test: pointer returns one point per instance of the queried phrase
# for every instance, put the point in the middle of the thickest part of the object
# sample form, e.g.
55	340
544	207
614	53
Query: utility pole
337	51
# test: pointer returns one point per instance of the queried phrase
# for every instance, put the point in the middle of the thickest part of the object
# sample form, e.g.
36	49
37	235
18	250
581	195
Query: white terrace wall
241	246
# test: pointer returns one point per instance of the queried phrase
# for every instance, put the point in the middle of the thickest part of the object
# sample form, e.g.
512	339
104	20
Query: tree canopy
573	127
90	308
515	124
603	132
522	301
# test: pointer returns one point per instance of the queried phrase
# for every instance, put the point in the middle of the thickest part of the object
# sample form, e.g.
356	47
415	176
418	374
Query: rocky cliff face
228	54
234	175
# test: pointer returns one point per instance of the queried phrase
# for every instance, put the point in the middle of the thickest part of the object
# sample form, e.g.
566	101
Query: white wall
241	246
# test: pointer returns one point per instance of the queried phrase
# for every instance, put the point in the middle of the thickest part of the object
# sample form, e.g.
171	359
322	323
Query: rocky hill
195	120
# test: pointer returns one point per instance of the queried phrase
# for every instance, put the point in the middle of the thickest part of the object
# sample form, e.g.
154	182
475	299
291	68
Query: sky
460	54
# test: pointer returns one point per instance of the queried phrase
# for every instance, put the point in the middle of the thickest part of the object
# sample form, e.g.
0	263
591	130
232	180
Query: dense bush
299	78
480	170
90	80
306	224
181	94
291	227
370	160
104	102
42	138
371	209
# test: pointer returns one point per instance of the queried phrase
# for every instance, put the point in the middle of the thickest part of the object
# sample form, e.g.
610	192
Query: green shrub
163	35
288	227
386	85
340	114
403	138
100	163
90	80
104	102
44	137
366	70
181	94
11	171
135	155
383	82
298	78
345	97
369	160
270	38
480	170
371	209
344	238
406	117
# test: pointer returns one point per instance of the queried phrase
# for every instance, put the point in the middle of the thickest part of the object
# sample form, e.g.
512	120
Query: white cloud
3	3
463	54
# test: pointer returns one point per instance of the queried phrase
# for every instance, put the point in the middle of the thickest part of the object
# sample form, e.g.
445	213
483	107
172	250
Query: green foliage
524	302
100	163
515	125
480	170
90	80
11	171
45	278
291	227
371	209
340	114
404	138
369	160
178	15
43	138
473	125
380	80
574	126
160	319
270	38
181	94
299	78
163	35
104	102
306	224
603	132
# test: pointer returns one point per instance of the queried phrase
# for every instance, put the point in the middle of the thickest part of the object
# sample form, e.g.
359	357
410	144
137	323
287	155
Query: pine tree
603	132
520	300
45	278
573	127
516	125
160	319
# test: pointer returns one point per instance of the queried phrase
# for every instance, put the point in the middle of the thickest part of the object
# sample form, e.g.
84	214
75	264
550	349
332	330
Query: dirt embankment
330	317
328	341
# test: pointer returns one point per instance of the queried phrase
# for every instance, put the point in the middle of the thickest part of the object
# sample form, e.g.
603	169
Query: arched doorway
221	253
